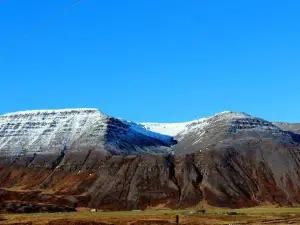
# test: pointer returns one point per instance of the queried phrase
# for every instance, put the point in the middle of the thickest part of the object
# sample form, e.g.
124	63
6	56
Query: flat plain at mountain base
257	215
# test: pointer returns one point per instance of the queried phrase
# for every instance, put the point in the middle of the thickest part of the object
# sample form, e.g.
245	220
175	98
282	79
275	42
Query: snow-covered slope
54	131
51	131
170	129
220	128
175	129
232	118
140	128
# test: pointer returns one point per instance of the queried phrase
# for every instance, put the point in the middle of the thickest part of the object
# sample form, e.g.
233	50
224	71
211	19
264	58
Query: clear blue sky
169	60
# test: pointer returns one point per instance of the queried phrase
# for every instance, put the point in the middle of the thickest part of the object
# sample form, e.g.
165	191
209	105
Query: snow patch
141	128
170	129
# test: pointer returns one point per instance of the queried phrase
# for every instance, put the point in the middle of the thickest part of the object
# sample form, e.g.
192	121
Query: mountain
239	159
85	158
224	129
54	131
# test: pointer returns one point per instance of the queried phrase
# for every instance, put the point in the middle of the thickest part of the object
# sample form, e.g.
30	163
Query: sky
152	61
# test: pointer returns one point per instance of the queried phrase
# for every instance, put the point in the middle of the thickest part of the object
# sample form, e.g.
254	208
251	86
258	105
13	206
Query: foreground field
162	217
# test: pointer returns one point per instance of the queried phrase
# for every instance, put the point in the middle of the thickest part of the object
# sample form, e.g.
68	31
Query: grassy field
259	215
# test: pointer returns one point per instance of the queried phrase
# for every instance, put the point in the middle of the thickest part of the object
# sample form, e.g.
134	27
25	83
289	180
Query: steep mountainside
293	127
89	159
229	129
224	129
54	131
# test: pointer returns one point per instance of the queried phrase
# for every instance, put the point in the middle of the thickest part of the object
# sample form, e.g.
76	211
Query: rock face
230	159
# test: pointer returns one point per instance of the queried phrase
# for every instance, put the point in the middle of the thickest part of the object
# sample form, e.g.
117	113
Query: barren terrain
216	216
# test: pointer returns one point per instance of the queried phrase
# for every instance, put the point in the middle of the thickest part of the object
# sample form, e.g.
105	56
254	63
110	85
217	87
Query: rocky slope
55	131
230	129
293	127
229	159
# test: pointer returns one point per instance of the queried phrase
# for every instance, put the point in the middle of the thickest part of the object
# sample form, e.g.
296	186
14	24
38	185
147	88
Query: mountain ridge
228	159
49	130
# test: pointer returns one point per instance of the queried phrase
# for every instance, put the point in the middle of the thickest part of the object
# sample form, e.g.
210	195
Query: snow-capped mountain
229	159
52	131
236	121
55	131
221	129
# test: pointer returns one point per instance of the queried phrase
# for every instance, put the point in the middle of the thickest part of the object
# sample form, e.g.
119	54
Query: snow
147	132
51	111
174	129
31	131
179	130
50	131
170	129
46	131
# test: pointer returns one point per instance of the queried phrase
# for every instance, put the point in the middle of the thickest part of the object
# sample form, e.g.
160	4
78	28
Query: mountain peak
48	131
173	129
233	114
53	111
